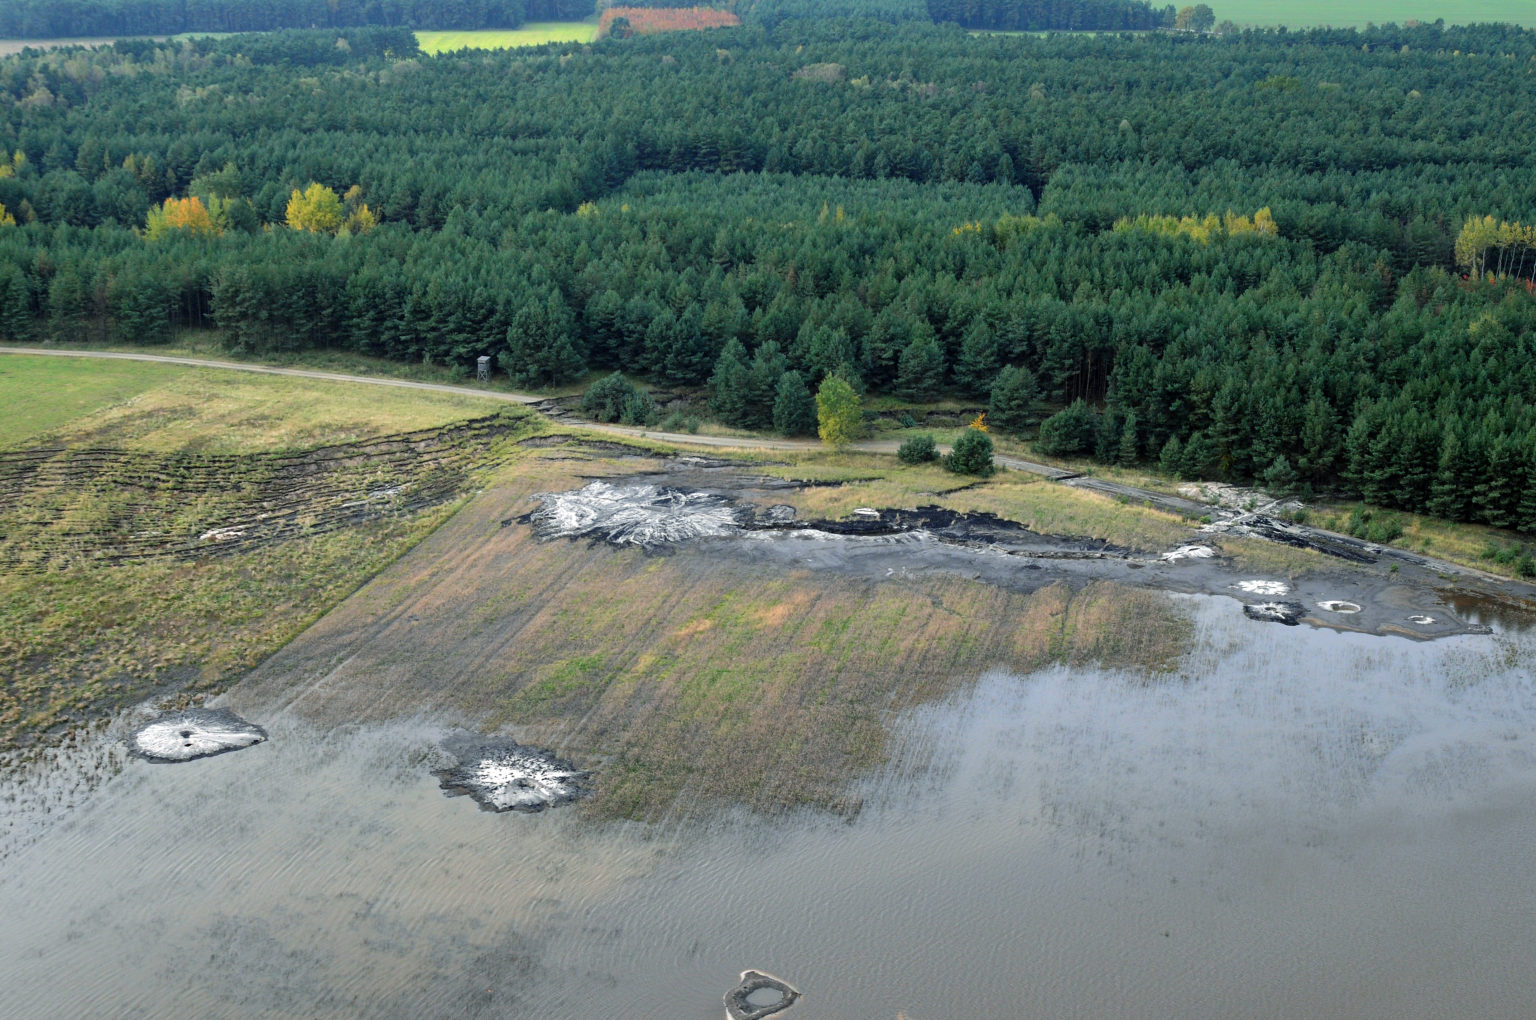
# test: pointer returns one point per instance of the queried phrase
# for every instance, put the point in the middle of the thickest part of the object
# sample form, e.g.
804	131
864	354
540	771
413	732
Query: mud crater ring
193	733
503	775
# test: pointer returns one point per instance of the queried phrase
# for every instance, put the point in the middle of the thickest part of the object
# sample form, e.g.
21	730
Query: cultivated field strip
61	504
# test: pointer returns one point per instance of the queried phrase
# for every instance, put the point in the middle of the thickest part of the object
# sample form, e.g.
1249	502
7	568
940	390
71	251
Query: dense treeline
1239	257
45	19
1053	15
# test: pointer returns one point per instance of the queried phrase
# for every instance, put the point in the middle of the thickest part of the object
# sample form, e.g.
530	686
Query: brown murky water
1296	822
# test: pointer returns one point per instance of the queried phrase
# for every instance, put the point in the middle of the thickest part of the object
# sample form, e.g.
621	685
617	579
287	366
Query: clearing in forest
651	20
534	33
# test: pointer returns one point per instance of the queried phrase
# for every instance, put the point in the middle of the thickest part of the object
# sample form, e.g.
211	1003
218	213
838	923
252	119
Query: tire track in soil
197	505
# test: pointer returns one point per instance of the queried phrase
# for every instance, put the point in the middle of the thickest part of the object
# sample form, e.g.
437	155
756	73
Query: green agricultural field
534	33
1305	13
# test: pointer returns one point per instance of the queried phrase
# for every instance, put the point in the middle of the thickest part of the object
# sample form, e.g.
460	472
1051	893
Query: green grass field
146	406
43	393
534	33
1304	13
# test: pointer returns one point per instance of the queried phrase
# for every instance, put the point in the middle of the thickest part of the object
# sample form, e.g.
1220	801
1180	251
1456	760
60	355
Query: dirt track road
526	399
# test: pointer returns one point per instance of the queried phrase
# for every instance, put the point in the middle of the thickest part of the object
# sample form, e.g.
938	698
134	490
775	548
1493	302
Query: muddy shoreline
1355	586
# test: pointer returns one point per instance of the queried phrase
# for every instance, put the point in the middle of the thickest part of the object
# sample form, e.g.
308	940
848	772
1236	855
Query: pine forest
1301	256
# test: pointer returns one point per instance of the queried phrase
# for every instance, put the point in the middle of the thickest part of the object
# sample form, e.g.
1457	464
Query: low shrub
919	449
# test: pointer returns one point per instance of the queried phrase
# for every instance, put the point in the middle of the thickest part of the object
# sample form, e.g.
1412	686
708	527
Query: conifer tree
1012	404
976	367
728	390
921	373
794	409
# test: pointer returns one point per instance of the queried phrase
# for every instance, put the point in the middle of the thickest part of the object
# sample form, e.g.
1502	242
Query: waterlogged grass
534	33
78	642
686	680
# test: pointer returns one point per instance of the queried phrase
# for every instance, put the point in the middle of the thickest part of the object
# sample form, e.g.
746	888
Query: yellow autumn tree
1489	246
6	219
187	215
316	209
359	220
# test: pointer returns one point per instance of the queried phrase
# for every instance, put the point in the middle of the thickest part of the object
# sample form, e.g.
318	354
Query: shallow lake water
1294	822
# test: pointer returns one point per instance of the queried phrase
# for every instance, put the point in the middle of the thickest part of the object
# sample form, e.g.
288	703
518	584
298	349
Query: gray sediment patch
193	733
758	996
1288	613
502	775
644	515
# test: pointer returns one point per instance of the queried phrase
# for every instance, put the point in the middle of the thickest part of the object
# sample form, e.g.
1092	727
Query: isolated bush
677	421
639	409
972	454
918	449
605	399
1378	528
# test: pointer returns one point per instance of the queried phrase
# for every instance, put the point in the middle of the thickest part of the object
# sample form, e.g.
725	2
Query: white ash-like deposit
1264	587
194	733
643	515
1189	552
1421	620
1338	606
505	776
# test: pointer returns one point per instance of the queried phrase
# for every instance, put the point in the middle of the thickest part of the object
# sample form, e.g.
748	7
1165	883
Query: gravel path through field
526	399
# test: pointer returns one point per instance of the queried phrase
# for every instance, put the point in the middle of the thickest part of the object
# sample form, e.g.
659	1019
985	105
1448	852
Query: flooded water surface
1295	821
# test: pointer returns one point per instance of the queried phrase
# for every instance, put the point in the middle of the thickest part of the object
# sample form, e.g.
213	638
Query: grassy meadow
534	33
147	406
1307	13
